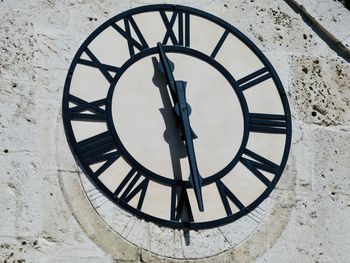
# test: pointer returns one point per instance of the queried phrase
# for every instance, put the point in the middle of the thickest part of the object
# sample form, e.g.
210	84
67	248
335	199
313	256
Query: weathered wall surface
38	223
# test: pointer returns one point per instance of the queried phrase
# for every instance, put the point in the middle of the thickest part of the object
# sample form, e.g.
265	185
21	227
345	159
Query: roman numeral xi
129	25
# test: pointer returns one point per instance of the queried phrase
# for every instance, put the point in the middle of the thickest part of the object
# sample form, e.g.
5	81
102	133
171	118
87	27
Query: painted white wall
45	216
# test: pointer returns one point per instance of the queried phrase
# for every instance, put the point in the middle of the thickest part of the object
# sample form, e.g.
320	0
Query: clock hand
167	68
182	110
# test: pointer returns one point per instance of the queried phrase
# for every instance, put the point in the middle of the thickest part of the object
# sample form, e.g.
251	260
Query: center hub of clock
144	120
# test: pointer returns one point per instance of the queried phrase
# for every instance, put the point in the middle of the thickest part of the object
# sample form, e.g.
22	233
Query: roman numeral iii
267	123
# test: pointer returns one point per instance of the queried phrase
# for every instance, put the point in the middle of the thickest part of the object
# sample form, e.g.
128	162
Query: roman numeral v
227	195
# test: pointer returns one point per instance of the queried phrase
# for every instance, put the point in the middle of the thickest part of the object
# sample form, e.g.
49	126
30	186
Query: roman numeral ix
95	112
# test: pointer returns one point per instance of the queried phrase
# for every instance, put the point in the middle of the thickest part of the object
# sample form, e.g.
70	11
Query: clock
177	117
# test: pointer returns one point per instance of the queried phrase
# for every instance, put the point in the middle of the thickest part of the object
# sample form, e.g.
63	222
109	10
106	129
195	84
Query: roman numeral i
254	78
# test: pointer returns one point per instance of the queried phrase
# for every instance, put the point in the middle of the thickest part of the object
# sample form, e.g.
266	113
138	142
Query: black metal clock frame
252	122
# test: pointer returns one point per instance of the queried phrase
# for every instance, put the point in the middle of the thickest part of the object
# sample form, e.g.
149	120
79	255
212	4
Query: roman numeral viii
183	35
227	195
129	188
99	148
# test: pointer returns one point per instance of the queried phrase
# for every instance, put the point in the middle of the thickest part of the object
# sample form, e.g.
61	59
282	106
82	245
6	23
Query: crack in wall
335	44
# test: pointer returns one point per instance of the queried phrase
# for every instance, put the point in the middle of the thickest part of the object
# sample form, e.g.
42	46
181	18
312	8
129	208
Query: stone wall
41	220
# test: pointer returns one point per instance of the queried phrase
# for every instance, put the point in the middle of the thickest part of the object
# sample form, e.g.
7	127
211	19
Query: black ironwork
182	112
107	147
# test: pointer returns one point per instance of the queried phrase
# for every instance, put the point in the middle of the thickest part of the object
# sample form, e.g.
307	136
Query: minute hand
182	110
167	68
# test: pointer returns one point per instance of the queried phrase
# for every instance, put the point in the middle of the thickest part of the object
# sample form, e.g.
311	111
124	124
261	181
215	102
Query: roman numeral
129	23
99	148
183	37
219	44
180	205
131	191
256	163
104	69
226	195
267	123
254	78
79	111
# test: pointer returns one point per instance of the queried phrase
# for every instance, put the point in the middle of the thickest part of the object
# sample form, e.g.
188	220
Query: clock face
177	117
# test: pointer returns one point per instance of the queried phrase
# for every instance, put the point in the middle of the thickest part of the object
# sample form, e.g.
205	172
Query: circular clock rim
87	170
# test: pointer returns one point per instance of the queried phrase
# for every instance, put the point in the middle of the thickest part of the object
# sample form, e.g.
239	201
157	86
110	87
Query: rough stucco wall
38	39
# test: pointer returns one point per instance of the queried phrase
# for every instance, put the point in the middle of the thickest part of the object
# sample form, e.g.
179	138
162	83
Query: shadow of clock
177	148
